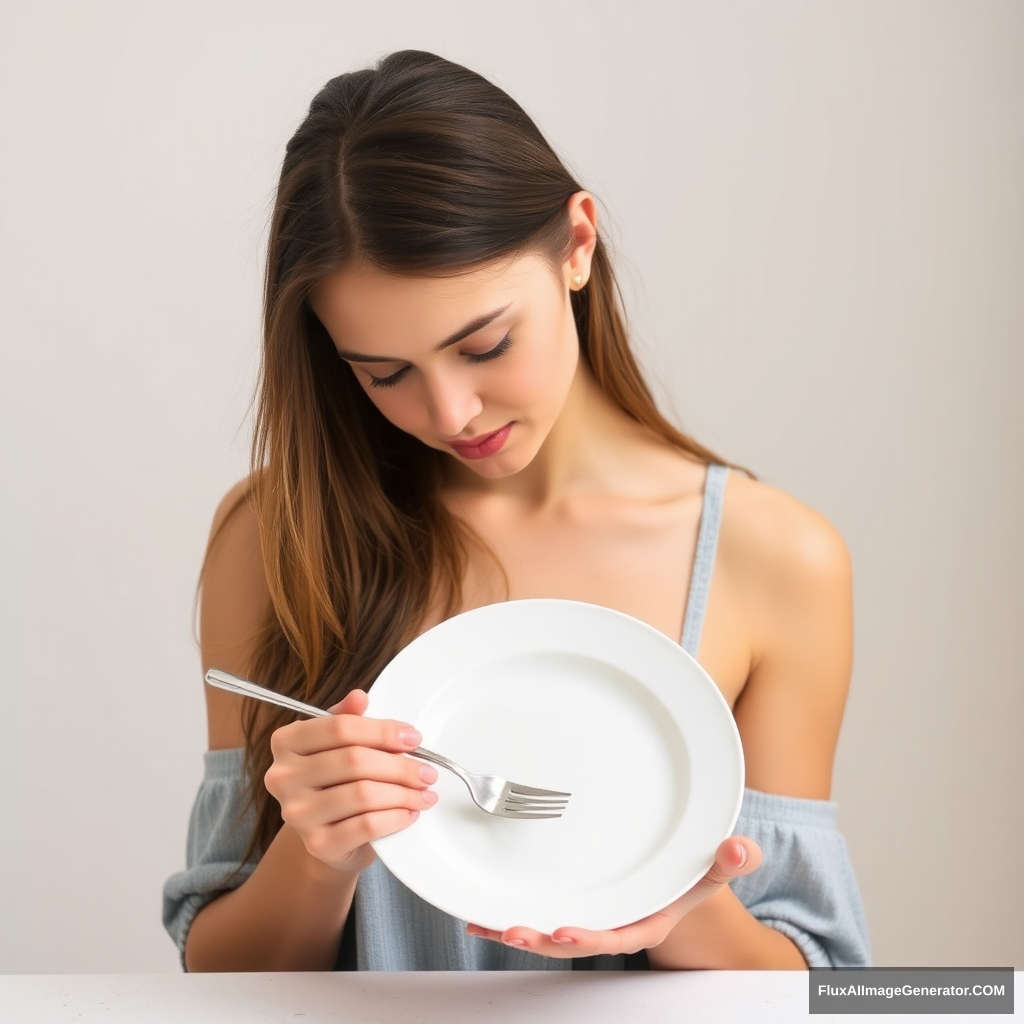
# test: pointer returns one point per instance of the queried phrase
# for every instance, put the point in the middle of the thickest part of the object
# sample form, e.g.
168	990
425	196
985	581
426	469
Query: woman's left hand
735	856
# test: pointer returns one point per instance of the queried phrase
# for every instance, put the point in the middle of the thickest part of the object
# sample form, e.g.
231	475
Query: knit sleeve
218	834
805	887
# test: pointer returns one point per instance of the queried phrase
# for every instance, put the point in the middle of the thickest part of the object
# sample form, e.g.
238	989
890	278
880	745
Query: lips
484	445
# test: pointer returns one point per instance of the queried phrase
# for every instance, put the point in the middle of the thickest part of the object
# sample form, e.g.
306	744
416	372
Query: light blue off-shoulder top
805	887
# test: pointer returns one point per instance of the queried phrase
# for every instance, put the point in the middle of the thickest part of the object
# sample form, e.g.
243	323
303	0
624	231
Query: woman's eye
388	382
473	357
500	349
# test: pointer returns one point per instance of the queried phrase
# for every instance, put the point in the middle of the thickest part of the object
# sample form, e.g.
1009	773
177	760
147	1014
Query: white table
441	998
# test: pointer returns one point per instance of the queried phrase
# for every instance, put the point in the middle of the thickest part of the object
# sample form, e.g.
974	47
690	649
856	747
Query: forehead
365	307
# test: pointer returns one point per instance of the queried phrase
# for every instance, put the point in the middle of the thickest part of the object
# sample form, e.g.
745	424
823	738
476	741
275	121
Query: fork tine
541	803
526	808
511	812
530	791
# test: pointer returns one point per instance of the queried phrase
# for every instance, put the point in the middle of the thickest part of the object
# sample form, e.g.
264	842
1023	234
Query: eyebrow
474	325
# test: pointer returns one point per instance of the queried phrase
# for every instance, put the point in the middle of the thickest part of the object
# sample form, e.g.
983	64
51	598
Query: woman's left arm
787	575
788	570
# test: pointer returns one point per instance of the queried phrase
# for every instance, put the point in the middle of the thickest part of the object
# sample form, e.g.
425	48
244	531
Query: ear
582	211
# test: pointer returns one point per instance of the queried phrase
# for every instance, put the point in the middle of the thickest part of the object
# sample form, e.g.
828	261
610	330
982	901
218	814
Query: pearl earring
578	282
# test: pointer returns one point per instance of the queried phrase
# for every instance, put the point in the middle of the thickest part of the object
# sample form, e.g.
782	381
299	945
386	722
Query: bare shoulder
233	504
234	562
234	602
770	534
788	569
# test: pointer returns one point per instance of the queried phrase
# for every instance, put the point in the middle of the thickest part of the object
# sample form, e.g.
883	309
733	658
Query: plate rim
385	846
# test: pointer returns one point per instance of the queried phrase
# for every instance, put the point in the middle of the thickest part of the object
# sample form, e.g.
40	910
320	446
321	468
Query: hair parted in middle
417	166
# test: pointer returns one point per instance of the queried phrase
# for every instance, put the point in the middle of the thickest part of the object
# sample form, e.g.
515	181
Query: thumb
735	857
354	703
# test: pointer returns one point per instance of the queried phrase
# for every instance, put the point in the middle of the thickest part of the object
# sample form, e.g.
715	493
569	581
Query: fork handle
428	755
235	684
245	688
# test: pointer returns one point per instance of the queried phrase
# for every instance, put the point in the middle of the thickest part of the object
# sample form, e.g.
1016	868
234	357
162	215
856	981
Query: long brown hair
416	166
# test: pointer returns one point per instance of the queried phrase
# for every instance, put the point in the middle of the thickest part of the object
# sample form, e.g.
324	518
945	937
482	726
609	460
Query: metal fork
490	793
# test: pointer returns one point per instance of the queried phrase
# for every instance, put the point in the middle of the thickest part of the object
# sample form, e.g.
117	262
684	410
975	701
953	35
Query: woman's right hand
344	781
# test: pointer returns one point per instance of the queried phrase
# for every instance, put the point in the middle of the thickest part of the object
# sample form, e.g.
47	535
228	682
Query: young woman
450	416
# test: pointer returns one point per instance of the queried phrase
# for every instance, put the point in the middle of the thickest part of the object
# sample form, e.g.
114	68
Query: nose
452	404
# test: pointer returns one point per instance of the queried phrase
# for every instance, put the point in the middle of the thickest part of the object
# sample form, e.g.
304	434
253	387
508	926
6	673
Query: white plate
575	697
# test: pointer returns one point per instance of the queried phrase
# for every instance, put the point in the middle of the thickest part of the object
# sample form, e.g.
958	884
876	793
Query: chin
499	466
494	468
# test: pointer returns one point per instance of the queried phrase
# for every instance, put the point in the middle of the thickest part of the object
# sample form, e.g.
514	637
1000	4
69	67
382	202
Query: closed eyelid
493	352
393	379
386	382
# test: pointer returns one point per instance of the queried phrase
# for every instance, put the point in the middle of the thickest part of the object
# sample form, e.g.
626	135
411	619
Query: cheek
553	374
545	373
546	382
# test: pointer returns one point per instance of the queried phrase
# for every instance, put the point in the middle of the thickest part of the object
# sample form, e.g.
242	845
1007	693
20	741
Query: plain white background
819	222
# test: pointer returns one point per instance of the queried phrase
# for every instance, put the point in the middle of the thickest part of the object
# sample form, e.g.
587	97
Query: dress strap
704	557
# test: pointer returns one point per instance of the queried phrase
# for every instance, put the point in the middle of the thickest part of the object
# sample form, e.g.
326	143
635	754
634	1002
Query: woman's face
478	365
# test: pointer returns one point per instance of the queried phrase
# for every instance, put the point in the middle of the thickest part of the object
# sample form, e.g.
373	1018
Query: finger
326	808
348	764
334	826
734	857
336	844
353	703
365	797
314	735
628	939
522	938
574	942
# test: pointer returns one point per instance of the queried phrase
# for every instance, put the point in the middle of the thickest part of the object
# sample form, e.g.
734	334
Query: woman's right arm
341	782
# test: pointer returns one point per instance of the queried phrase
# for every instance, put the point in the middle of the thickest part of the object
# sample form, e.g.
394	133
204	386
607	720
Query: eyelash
500	349
474	357
387	382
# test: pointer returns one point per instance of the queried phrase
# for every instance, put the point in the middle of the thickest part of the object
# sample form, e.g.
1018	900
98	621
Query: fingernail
514	942
410	737
563	941
743	856
429	797
428	774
